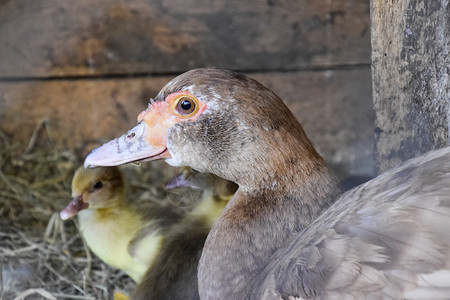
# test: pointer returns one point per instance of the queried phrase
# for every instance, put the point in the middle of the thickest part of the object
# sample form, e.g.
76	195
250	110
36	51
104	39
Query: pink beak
74	206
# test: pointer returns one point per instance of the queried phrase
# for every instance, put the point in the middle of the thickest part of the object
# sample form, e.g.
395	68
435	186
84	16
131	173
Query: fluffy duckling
288	232
173	274
123	235
162	242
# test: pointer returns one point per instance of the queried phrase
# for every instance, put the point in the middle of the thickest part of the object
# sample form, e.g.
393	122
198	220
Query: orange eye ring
186	106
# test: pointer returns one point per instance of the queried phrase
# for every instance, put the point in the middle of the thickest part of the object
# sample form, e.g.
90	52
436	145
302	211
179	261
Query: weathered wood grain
78	110
335	108
410	41
43	38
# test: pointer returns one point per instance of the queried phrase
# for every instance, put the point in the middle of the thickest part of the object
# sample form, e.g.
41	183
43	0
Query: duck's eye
97	186
186	106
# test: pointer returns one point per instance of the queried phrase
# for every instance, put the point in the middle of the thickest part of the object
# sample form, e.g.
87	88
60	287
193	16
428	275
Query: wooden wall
411	59
91	66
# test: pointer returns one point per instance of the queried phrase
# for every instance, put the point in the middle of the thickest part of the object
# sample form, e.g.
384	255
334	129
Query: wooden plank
78	110
334	107
410	78
103	37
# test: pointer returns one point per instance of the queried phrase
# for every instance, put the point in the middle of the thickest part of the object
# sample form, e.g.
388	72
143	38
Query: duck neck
257	222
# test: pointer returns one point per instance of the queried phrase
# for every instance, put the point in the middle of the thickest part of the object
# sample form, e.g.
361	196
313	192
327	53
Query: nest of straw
40	256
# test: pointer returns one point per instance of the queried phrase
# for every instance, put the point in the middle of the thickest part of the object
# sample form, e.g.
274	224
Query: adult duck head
281	235
215	121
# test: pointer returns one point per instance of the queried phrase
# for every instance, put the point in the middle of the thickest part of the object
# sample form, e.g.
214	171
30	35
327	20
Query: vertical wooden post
410	75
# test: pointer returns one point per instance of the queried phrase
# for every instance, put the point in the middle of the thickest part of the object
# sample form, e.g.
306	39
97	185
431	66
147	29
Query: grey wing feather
387	239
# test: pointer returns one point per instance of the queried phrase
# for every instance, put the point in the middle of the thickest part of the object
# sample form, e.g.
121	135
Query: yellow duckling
123	235
173	274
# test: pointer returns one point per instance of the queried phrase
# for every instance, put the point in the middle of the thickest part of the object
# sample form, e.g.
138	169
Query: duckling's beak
74	206
180	180
138	144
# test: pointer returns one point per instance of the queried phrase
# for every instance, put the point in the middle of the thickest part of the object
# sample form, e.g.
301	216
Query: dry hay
40	256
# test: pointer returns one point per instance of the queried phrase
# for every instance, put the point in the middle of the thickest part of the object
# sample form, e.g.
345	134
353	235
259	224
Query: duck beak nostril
131	147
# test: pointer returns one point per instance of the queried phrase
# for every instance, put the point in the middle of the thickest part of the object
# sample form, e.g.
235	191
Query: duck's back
389	238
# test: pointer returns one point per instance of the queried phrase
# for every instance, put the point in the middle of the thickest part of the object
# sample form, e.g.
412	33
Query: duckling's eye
97	186
186	106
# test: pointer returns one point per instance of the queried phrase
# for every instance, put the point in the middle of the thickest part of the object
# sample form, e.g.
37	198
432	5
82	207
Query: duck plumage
289	232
